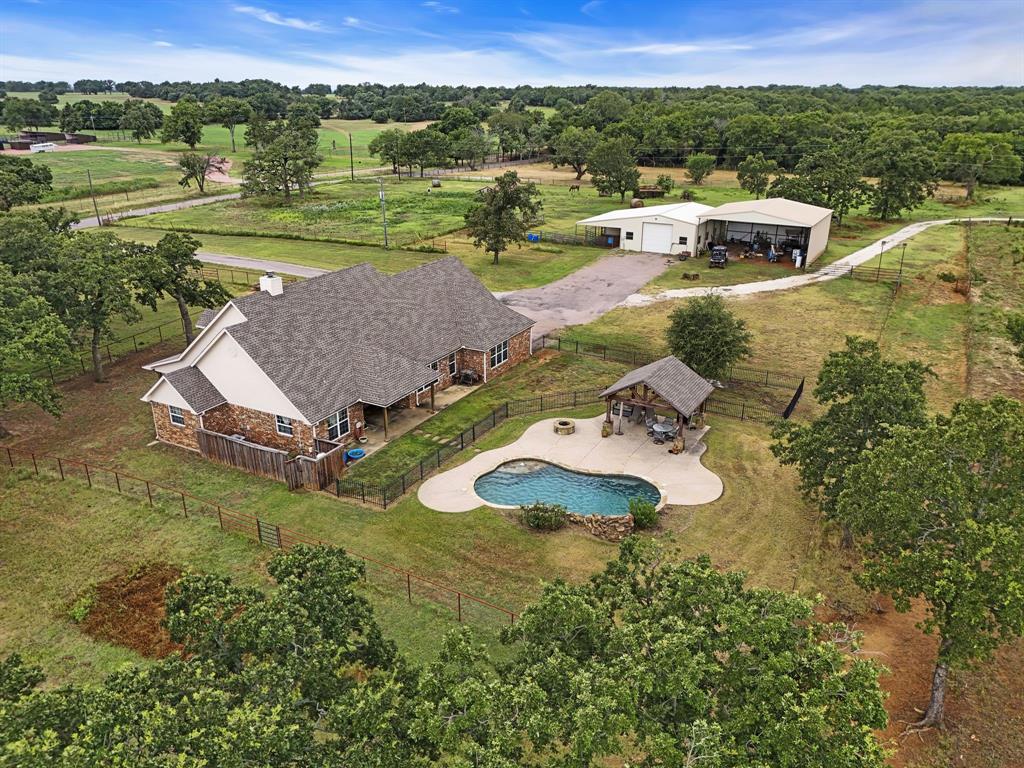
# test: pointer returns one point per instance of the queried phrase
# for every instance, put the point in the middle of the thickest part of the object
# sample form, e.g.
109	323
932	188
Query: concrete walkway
681	479
587	293
831	272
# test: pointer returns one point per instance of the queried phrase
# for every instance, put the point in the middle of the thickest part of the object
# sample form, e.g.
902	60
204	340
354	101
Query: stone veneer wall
259	427
183	437
612	528
355	413
518	350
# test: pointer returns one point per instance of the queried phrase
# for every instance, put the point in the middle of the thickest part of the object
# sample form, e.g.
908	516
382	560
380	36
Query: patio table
664	429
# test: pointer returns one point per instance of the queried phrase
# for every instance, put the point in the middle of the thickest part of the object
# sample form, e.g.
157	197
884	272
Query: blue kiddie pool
355	454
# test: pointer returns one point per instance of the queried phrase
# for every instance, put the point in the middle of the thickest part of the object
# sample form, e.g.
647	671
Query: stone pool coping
681	479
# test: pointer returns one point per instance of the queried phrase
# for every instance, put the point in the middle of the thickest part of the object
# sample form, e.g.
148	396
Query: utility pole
351	160
903	255
383	212
881	250
99	221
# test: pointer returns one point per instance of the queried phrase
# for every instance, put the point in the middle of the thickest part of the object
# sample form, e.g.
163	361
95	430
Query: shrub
947	277
1015	330
546	249
81	607
665	183
644	512
543	517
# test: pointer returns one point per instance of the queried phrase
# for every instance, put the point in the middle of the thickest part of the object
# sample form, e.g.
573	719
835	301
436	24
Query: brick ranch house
290	366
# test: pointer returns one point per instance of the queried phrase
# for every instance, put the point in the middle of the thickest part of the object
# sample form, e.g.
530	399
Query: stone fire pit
564	426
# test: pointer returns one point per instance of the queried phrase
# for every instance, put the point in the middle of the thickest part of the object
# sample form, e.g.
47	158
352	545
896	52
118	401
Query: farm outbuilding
785	225
789	228
670	229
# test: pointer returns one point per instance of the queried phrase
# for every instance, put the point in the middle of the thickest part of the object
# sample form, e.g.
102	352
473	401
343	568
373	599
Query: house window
682	240
451	364
177	415
284	426
433	366
629	235
337	424
499	354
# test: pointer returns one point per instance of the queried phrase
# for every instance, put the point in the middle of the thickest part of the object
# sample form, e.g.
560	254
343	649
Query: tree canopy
653	660
866	396
184	123
504	213
705	335
940	512
613	168
22	181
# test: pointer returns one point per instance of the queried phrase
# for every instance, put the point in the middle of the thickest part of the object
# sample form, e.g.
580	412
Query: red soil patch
129	611
893	640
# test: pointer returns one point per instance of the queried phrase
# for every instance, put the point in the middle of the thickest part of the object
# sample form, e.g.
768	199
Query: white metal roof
776	209
688	213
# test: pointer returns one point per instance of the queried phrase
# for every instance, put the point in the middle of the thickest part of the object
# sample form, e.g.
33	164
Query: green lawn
794	330
544	373
518	268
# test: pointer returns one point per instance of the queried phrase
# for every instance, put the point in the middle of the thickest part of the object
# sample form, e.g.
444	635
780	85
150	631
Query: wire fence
137	341
463	606
631	355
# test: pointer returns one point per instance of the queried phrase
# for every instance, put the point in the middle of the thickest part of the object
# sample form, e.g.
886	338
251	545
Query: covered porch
382	425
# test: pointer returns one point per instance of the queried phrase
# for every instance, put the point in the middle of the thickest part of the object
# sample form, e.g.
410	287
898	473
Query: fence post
458	596
117	479
408	586
184	508
149	494
34	465
135	341
60	466
743	410
462	441
10	458
88	477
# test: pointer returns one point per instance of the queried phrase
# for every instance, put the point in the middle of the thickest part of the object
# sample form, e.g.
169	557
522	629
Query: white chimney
272	284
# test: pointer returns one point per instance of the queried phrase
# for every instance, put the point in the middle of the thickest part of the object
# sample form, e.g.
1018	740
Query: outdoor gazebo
666	384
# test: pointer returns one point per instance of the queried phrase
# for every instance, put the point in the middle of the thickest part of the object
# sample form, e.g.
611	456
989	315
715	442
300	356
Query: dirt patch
128	610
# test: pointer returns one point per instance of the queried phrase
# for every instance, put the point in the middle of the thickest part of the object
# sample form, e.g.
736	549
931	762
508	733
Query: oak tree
504	213
705	335
940	512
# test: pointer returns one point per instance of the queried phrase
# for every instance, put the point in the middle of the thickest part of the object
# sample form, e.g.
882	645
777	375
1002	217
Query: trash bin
533	237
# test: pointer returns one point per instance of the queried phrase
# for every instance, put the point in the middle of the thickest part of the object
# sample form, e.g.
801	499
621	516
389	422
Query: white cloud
587	9
434	5
163	44
270	17
675	49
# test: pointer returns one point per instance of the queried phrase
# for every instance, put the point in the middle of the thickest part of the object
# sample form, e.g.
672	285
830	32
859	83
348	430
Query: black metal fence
736	374
387	493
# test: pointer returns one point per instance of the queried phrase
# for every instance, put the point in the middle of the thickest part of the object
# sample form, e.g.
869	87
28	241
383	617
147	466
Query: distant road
259	265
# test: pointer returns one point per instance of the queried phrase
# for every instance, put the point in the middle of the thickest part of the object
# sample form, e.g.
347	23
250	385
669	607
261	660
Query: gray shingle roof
359	335
198	391
674	380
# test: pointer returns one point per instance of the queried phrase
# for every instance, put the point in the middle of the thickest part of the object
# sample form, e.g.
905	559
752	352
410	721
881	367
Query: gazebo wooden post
385	423
432	397
608	409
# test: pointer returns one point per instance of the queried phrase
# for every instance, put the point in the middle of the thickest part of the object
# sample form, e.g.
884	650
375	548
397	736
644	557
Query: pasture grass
518	267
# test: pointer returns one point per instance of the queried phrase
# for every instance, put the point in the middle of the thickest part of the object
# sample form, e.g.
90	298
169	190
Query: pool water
516	483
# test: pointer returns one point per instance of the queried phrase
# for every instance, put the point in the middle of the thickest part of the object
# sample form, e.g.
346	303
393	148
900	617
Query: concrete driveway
587	293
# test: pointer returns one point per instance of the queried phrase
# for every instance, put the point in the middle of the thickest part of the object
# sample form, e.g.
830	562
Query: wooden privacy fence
464	606
297	472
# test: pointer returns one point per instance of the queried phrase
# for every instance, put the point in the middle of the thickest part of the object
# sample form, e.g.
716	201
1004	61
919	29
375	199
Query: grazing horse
574	187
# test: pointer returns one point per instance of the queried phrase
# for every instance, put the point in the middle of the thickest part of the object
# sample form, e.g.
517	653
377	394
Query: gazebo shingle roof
676	382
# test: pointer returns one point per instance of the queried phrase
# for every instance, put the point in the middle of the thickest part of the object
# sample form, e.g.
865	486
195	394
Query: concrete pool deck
682	479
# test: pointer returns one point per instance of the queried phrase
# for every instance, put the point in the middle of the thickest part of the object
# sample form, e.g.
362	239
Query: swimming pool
526	481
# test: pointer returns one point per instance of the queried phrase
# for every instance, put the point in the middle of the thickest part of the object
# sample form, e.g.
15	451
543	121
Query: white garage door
657	238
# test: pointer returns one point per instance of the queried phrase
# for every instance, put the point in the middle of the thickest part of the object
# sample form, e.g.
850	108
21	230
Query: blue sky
613	42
